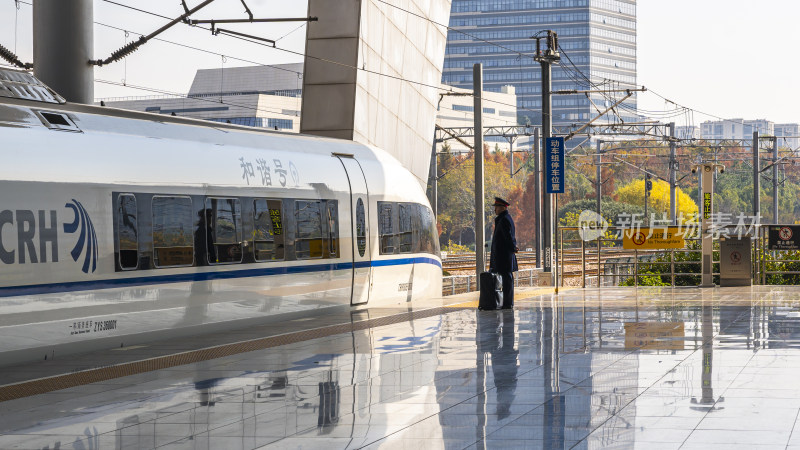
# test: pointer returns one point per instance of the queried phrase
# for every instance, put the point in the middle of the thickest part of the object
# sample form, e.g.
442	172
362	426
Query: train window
429	237
386	228
127	232
308	242
332	216
223	229
361	228
405	213
172	231
416	227
268	237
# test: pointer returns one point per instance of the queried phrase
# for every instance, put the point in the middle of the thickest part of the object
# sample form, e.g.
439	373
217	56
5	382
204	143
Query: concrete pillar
63	44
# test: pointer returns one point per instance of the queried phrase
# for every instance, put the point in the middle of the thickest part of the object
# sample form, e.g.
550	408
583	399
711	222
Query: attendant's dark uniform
503	259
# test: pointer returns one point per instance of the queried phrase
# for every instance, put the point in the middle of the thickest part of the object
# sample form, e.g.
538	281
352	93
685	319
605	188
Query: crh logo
87	239
44	223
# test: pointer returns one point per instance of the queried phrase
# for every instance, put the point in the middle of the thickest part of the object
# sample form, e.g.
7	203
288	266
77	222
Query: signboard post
554	184
707	243
735	264
554	165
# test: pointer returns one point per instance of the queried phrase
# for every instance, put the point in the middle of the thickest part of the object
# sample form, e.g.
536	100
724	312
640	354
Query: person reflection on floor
496	336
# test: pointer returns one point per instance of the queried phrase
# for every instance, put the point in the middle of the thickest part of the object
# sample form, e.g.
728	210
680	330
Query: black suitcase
491	291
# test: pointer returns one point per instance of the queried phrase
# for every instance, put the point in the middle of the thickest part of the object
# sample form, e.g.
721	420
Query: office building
687	132
597	38
736	129
270	97
788	134
456	108
259	96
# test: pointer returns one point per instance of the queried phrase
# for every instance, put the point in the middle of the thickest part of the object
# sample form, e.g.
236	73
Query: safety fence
459	284
603	261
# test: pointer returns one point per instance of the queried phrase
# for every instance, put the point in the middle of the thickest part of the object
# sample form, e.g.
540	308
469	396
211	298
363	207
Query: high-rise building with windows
597	40
736	128
788	135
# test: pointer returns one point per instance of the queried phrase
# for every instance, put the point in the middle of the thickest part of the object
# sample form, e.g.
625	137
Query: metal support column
598	174
647	184
435	180
547	124
673	210
756	178
511	140
480	232
547	231
707	208
775	212
537	177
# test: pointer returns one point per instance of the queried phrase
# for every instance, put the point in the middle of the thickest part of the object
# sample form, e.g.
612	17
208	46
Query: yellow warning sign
707	205
653	238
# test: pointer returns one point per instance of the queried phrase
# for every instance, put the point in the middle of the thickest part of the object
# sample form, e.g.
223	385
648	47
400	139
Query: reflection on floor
612	368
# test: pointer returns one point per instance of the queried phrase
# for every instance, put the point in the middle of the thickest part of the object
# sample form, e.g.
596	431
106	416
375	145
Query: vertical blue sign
554	165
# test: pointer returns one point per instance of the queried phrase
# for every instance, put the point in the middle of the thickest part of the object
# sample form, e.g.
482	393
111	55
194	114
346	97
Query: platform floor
652	368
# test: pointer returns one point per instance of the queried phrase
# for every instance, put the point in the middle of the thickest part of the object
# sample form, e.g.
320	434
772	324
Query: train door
359	211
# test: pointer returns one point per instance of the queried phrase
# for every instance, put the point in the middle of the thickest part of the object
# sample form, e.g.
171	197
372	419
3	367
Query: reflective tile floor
610	368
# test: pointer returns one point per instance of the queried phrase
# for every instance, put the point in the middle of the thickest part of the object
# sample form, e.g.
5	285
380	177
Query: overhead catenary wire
440	88
203	50
623	106
419	83
203	28
180	44
692	110
134	45
437	87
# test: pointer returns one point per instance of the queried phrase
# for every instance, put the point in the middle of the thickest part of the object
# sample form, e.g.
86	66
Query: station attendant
503	259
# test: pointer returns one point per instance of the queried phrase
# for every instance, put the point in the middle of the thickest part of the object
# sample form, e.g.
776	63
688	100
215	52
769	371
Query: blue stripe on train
72	286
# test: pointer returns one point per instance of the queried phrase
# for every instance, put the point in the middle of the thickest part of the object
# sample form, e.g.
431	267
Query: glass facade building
597	39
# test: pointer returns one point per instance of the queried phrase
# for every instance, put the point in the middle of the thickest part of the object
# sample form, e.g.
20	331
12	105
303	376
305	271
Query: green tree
457	193
579	187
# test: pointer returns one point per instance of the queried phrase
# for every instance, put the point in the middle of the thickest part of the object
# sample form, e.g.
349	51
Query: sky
725	58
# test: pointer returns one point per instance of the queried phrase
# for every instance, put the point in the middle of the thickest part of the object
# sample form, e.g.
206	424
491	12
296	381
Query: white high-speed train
118	227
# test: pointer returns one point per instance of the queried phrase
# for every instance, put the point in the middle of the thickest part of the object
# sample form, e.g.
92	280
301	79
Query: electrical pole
480	233
511	152
699	188
598	174
537	177
546	61
775	215
756	179
706	173
673	210
648	184
434	179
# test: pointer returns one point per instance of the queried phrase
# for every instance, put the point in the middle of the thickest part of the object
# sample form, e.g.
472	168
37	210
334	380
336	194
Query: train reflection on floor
594	369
